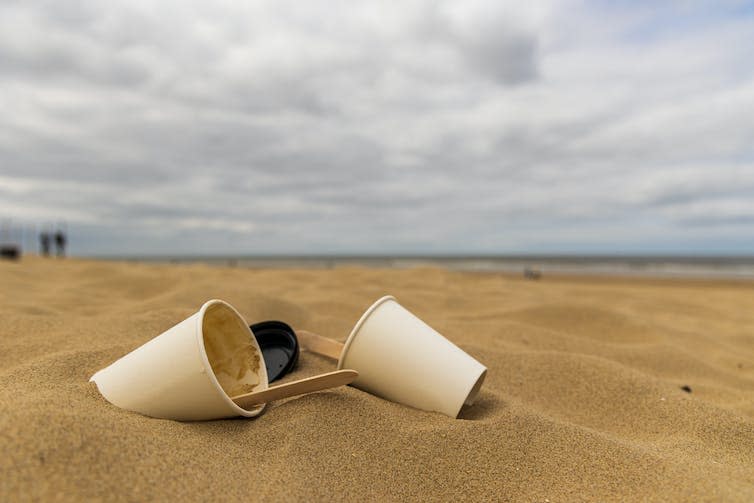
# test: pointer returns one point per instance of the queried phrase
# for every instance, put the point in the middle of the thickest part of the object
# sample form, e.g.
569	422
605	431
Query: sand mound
583	401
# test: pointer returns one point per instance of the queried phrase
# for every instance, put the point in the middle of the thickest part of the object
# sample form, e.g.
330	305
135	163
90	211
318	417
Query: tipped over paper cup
191	371
402	359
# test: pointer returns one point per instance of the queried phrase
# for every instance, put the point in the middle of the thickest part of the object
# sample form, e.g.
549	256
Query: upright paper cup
402	359
172	375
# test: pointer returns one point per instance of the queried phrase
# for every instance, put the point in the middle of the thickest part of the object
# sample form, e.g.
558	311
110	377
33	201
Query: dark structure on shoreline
10	252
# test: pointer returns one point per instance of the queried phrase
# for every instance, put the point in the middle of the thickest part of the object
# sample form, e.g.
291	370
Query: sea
530	265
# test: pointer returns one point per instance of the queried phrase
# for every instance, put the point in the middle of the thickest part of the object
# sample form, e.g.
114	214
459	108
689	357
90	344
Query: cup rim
359	324
475	388
208	367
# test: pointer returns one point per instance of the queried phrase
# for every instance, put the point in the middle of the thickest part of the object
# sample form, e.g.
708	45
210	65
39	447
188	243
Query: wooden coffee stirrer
320	345
300	387
316	344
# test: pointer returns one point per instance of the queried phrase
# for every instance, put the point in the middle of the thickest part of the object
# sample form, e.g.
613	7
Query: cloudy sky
229	127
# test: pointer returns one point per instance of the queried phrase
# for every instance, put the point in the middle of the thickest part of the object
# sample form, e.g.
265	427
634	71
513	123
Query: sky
411	127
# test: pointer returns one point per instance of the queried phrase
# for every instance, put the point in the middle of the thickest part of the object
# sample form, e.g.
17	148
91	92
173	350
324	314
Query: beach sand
583	400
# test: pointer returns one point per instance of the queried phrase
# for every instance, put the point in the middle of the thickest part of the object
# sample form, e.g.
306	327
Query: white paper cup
172	375
402	359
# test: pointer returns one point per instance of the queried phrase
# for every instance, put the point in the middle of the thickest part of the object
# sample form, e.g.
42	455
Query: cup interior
232	353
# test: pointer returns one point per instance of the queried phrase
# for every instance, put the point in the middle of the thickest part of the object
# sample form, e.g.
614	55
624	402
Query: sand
583	401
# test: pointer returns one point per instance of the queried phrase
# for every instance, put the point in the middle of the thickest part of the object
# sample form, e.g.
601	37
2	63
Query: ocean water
654	266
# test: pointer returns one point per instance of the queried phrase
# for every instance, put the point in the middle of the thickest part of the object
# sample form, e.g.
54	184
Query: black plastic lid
279	346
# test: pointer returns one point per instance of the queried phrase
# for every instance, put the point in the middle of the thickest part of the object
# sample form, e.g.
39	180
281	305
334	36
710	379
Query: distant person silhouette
60	241
44	244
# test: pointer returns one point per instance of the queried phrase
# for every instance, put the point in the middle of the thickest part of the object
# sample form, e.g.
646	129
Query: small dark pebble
686	388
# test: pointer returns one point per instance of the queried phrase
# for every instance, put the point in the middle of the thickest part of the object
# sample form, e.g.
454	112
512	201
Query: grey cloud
67	57
490	41
509	58
433	126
